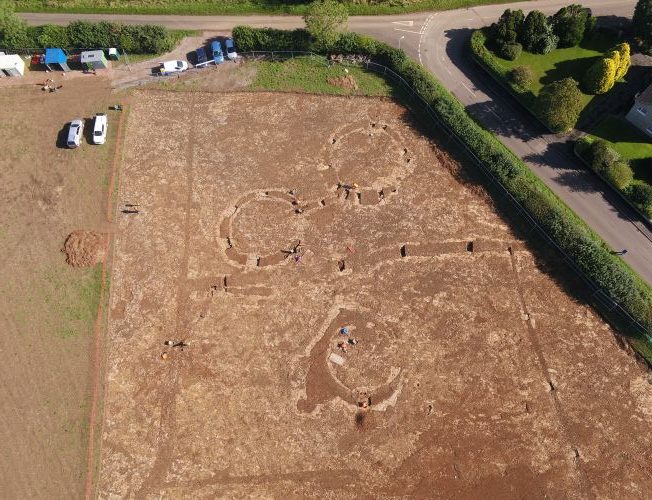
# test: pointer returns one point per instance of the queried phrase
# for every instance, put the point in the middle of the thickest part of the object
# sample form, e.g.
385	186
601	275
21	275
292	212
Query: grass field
629	142
560	63
307	74
204	7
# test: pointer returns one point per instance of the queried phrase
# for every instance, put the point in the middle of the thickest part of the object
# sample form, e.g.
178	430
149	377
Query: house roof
92	55
55	56
645	96
11	61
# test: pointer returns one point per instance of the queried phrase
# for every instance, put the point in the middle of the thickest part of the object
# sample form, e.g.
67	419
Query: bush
559	104
620	174
624	60
323	21
510	51
601	156
570	24
537	34
508	27
50	35
640	194
571	233
523	76
600	77
248	39
642	22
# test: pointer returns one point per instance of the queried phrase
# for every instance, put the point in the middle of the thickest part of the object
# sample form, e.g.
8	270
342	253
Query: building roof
11	61
92	55
55	56
645	97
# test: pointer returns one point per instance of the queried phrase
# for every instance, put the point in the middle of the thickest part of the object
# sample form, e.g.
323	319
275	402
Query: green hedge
136	39
571	233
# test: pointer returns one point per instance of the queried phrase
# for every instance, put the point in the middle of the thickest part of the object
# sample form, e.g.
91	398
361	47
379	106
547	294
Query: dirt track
484	376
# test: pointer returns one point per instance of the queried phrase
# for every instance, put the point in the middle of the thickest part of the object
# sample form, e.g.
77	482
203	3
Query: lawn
629	142
204	7
560	63
306	74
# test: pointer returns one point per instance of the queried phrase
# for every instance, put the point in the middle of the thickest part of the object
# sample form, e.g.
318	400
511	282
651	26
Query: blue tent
56	57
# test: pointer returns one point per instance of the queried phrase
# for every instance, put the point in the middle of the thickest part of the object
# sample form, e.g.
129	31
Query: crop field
252	229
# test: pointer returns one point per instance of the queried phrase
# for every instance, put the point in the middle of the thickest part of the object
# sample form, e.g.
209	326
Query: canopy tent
12	65
94	59
56	59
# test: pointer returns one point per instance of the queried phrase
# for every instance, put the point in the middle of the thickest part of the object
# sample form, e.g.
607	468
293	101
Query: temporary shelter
12	65
94	59
56	59
114	55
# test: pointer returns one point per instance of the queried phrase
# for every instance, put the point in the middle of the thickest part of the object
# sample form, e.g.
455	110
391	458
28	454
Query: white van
99	128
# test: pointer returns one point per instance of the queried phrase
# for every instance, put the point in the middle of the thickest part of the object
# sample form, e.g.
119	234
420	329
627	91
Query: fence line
597	293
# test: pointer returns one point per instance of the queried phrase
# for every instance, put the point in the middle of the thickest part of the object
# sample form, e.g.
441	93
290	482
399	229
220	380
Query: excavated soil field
474	373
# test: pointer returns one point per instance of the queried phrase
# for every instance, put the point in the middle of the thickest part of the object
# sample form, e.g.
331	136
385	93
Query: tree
601	76
323	21
507	28
13	30
642	22
625	60
641	195
570	23
510	51
620	174
559	104
536	34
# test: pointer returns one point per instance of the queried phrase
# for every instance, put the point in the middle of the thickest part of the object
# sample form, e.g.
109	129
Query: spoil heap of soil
84	248
346	82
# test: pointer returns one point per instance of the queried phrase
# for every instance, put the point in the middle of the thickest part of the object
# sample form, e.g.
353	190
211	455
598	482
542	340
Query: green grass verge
208	7
306	74
630	143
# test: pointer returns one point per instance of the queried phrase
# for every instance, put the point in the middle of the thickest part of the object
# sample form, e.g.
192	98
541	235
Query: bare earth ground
483	376
47	308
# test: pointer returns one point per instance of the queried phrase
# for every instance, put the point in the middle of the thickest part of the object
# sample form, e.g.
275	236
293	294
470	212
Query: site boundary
602	299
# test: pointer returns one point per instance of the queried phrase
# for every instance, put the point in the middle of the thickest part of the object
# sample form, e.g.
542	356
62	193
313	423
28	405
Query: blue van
216	48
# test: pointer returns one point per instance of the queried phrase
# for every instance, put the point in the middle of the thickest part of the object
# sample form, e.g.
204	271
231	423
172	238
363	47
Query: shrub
640	194
570	23
642	22
510	51
559	104
507	28
13	30
624	60
620	174
536	34
600	77
248	39
523	76
601	156
583	144
50	35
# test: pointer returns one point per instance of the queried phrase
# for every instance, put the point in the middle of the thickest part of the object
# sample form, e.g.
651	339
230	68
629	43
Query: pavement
437	40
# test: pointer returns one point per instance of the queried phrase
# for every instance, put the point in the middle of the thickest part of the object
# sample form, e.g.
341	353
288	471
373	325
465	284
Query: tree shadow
574	68
517	123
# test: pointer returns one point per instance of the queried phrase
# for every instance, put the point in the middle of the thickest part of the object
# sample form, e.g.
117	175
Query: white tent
12	65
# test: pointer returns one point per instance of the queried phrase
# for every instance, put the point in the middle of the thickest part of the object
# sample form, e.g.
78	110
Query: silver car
75	134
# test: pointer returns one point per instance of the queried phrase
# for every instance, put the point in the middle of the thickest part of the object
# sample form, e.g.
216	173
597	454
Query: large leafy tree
601	76
559	104
323	21
643	24
570	23
13	30
508	27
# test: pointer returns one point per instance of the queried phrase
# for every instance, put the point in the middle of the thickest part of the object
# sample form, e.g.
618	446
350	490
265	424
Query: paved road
437	41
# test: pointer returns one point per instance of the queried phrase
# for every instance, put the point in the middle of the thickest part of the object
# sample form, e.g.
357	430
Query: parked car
75	132
170	67
200	56
216	48
99	128
230	49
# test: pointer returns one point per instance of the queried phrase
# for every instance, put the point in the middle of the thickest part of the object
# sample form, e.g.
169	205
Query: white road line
408	31
464	85
404	23
423	32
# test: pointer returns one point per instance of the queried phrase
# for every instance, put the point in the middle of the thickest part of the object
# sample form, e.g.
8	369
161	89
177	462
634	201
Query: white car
99	128
230	49
169	67
75	132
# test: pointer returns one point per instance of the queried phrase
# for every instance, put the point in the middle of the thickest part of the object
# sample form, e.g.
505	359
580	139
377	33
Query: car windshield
98	132
74	125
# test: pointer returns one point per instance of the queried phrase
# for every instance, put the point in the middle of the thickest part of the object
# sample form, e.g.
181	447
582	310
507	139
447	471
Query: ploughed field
266	223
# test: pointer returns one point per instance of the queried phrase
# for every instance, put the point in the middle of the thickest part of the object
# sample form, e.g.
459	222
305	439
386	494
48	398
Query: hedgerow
590	253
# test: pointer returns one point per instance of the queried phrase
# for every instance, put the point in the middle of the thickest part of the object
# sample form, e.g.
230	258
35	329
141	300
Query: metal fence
599	295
